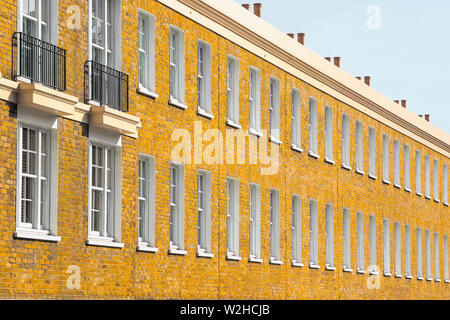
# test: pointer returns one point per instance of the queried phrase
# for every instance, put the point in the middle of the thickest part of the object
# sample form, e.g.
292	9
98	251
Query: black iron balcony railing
38	61
105	86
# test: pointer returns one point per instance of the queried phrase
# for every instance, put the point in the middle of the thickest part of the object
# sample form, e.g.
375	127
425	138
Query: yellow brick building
94	205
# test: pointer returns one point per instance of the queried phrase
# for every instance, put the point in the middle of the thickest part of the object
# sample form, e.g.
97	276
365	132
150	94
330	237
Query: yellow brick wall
34	269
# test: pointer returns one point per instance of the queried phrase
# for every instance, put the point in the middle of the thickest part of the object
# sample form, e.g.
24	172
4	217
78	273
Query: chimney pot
420	115
328	58
403	103
291	35
427	117
246	6
337	61
257	9
359	78
397	101
367	80
301	38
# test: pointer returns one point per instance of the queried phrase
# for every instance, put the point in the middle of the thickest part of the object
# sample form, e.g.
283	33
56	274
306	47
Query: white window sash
329	221
445	184
345	141
407	167
436	180
418	173
328	133
385	158
313	126
359	147
313	230
419	252
360	241
346	239
373	243
396	163
40	216
296	230
372	157
387	247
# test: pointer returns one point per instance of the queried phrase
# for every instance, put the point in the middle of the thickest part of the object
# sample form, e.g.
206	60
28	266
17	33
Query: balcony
104	86
38	61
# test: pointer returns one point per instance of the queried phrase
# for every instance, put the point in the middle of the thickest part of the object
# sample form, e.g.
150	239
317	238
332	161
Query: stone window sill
147	92
35	235
98	242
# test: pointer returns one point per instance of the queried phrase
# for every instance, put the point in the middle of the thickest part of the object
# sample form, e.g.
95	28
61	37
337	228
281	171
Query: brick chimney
403	103
291	35
257	8
328	58
301	38
337	61
246	6
427	117
367	80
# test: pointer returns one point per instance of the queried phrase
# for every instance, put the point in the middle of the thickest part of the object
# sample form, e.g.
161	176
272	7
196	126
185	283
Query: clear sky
404	45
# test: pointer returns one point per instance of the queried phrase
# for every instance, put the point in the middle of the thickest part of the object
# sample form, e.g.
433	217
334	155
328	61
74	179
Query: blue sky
408	57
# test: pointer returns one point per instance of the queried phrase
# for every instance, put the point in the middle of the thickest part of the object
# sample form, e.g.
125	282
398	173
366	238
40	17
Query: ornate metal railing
105	86
38	61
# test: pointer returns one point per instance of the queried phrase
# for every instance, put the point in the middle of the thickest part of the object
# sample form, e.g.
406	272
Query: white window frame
445	184
204	214
275	255
418	173
359	140
232	219
296	120
398	250
329	134
372	154
146	197
346	237
51	24
407	167
147	86
428	254
437	261
254	101
446	271
386	159
255	223
45	230
397	182
427	177
373	245
109	233
312	128
419	259
176	209
296	231
113	49
360	265
408	269
387	248
204	79
436	180
274	110
313	234
233	92
346	142
176	67
329	237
